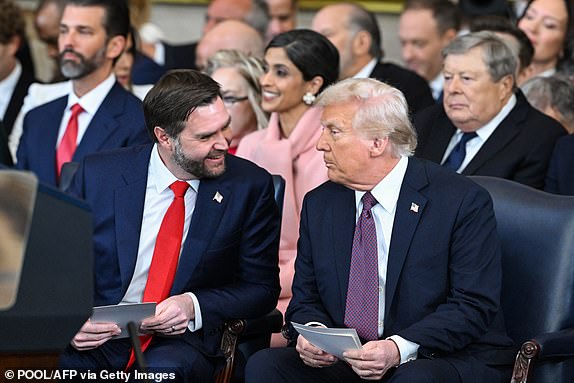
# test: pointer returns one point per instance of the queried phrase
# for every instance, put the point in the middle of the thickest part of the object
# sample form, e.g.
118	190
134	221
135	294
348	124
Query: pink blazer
301	165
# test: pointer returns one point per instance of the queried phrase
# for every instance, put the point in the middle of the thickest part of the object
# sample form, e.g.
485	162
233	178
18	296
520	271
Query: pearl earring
309	98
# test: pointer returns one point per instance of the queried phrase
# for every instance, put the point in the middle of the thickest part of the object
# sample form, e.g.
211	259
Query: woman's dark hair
567	58
311	52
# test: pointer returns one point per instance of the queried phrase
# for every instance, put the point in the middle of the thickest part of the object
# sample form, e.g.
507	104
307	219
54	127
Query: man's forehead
339	114
471	59
227	9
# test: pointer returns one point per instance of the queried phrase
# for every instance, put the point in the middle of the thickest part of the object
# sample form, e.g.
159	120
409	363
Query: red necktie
165	255
68	145
362	305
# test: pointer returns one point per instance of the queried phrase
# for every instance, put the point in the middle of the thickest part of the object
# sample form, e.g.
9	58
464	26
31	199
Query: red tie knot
179	188
76	109
368	201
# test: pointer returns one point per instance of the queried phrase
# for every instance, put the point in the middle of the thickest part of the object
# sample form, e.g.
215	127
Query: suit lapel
129	203
439	138
104	123
45	147
204	223
410	208
342	214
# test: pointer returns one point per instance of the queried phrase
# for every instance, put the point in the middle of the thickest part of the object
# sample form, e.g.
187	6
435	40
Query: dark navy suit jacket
5	156
229	259
518	150
119	122
443	279
415	88
560	177
146	71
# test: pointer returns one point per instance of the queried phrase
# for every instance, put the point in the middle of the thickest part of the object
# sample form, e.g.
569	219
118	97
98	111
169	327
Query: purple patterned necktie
362	306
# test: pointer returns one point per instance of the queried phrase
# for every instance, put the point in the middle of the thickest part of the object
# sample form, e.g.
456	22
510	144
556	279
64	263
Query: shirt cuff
407	349
197	323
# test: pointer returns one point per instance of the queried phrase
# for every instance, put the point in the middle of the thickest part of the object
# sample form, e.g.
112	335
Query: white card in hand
123	314
332	340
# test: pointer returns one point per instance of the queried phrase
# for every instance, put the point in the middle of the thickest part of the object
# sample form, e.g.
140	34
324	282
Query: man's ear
13	45
448	36
116	46
506	86
362	43
163	139
377	146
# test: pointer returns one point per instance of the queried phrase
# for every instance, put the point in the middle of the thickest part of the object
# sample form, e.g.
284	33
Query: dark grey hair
498	57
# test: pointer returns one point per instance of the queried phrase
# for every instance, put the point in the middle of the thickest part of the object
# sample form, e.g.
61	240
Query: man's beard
197	168
75	70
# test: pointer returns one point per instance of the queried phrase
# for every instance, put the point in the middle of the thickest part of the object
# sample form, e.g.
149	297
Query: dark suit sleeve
306	304
533	170
134	119
22	151
255	289
559	178
5	157
474	271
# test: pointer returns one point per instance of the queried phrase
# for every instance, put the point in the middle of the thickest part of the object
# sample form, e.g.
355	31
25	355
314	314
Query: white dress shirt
386	192
7	87
473	145
90	102
158	198
366	71
437	86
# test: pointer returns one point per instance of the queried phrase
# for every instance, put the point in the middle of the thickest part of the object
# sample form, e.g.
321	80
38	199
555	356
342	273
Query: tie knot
76	109
368	201
467	137
179	188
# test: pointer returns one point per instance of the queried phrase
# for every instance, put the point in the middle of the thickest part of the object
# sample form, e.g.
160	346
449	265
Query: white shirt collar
160	176
7	87
387	191
437	86
92	100
547	73
367	70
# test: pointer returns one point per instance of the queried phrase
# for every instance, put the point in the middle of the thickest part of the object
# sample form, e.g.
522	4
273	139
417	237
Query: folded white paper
332	340
123	314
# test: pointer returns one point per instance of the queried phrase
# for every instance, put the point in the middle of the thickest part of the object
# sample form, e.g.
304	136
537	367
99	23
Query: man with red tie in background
97	114
401	249
183	224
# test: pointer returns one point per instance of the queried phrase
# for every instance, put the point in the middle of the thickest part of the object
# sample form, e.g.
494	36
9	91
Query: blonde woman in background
238	75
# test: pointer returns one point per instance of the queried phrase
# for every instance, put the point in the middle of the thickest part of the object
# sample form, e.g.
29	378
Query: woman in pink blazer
299	65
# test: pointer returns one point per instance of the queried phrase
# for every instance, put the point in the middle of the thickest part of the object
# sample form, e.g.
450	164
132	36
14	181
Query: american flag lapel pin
414	207
218	197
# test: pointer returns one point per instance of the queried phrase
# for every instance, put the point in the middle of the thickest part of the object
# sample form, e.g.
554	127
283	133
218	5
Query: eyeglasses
230	100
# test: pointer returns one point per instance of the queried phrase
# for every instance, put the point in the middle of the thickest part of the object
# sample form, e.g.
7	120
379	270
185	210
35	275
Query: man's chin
215	171
71	72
